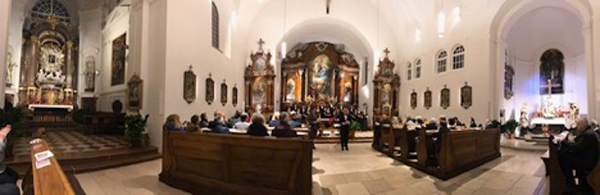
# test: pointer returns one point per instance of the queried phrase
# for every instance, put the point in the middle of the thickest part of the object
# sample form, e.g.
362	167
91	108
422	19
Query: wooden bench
50	179
558	183
202	163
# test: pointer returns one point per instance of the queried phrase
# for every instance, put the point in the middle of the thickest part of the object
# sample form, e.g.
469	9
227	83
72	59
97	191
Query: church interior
318	97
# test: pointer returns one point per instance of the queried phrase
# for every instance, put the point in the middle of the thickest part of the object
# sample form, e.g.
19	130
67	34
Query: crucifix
260	44
328	4
387	52
549	86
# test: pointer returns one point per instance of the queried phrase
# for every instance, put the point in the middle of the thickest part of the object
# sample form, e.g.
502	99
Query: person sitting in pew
419	122
214	122
242	124
173	123
193	125
432	124
473	123
579	155
8	177
295	120
203	120
274	122
220	126
284	129
257	128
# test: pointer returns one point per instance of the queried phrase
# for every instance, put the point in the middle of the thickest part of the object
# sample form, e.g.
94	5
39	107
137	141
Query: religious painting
320	79
223	93
466	96
210	90
189	86
386	96
552	72
259	92
427	99
413	100
90	74
234	96
290	90
135	92
348	93
119	56
445	98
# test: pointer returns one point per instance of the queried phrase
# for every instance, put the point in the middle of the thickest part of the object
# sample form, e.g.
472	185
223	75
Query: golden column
69	64
34	65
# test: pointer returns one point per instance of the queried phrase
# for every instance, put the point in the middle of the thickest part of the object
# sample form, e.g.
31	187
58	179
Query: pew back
204	163
594	177
463	150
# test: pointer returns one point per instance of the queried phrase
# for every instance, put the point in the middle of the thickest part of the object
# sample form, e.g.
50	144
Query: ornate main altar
319	72
48	74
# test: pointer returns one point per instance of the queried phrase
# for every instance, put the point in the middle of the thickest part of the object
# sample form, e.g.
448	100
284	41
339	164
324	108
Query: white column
5	10
590	69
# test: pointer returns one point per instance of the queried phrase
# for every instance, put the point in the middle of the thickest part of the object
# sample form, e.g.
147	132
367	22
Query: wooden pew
387	138
50	179
425	146
464	150
594	177
203	163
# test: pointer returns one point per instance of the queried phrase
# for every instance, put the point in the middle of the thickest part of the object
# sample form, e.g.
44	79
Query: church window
409	71
442	60
418	68
215	26
46	8
458	60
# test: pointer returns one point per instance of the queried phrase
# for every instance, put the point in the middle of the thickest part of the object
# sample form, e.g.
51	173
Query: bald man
580	155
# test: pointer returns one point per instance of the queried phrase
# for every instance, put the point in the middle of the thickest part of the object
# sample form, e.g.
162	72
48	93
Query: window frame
458	57
439	60
215	27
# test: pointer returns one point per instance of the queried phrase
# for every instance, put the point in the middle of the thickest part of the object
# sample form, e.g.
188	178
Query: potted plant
509	127
135	125
354	126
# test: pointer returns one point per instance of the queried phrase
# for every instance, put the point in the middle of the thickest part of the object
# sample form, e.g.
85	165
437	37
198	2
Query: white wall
5	7
90	44
116	25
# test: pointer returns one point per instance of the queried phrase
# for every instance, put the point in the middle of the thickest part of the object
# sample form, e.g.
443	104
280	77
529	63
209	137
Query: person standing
345	119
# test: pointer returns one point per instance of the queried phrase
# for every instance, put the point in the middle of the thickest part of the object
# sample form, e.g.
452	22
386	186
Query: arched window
417	68
409	71
458	59
46	8
215	26
442	59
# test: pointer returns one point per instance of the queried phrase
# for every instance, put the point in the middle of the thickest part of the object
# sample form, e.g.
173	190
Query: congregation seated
257	128
173	123
242	124
579	155
473	123
193	125
284	129
203	120
274	122
220	126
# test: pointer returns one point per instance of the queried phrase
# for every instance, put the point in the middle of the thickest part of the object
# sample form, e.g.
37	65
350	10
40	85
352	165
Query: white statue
9	68
90	73
524	120
573	114
548	110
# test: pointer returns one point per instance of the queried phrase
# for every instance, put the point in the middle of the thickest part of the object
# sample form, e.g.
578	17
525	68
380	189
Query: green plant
355	126
135	125
510	126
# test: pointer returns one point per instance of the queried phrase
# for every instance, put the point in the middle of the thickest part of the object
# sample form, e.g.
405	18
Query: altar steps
91	161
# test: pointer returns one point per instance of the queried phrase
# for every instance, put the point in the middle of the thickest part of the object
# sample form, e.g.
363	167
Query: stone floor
358	171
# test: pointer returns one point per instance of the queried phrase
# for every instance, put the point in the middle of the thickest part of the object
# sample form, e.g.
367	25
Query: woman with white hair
257	128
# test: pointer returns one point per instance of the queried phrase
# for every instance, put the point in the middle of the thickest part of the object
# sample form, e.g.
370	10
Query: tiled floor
73	142
358	171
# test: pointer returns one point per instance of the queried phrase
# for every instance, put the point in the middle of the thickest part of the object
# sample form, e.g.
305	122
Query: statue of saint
573	114
9	68
524	120
548	110
90	73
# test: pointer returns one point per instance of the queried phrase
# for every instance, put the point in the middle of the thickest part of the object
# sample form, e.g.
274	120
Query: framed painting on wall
427	99
119	56
466	96
209	90
413	100
224	93
445	97
234	95
189	86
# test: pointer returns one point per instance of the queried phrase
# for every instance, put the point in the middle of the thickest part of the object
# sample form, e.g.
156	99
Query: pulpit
387	87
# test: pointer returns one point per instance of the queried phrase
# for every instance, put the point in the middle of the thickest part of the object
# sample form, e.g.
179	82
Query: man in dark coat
345	119
580	155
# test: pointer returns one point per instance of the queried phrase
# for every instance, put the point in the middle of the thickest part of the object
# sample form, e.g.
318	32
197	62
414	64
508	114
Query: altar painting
348	93
320	80
119	48
259	92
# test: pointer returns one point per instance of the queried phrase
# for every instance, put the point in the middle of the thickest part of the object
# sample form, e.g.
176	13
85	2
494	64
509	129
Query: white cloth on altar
34	106
552	121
